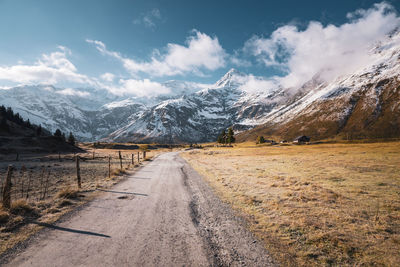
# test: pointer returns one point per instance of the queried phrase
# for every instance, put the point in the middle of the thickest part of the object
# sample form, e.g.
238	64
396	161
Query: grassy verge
327	204
21	221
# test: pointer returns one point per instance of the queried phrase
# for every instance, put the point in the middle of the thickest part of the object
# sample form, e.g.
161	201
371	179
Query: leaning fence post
109	166
120	159
7	189
78	172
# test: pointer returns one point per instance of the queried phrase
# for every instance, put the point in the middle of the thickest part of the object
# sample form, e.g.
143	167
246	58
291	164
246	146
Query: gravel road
162	215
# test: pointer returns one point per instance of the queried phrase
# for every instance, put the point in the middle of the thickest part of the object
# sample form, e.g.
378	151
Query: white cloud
240	62
51	68
149	19
108	77
140	88
329	51
73	92
254	84
201	52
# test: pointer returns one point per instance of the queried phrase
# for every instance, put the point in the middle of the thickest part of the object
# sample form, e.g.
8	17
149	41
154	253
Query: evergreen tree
71	139
260	140
58	133
10	113
63	137
28	124
3	124
222	137
39	130
230	136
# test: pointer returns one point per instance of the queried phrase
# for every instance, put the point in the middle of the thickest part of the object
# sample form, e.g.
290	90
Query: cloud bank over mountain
328	51
299	53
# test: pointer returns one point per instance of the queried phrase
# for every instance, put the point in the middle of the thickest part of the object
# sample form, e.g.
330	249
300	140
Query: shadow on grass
55	227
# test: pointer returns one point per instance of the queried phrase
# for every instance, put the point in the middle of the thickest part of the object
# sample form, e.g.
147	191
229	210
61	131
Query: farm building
301	139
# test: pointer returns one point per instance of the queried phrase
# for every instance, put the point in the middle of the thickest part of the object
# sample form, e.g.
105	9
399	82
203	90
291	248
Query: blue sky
123	44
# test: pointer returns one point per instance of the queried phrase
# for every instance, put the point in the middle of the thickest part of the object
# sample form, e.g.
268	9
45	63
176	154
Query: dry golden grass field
47	189
326	204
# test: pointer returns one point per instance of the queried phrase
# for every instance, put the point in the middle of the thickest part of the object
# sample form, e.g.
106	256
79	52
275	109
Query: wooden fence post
78	172
133	160
23	170
29	184
93	153
7	189
46	187
109	166
144	155
138	157
41	183
120	159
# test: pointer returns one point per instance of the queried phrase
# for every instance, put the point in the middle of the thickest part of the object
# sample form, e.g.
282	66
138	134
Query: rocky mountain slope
361	104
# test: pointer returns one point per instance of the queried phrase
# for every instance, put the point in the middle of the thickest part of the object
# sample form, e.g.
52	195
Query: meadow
325	204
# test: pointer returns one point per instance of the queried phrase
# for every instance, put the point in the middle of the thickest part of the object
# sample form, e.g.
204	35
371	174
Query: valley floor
161	215
334	204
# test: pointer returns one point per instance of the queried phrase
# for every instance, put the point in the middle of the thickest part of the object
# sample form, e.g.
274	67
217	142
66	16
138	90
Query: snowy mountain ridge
197	113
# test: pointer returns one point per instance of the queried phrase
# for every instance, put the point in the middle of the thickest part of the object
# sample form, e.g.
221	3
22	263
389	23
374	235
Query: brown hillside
371	112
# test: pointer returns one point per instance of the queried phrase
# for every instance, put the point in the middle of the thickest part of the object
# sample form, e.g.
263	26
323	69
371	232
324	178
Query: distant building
301	139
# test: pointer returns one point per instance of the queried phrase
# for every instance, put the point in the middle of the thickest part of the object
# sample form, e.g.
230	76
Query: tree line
7	114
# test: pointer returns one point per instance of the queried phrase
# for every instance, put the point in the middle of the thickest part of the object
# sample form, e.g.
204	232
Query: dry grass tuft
68	193
64	203
22	207
327	204
118	172
4	216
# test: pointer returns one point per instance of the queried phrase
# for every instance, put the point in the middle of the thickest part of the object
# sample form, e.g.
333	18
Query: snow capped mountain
194	118
362	104
89	113
46	106
365	103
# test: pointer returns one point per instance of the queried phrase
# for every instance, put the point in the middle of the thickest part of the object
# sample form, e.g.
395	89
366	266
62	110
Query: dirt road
162	215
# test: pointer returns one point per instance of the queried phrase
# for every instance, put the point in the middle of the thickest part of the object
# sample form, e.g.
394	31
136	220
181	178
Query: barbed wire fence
38	179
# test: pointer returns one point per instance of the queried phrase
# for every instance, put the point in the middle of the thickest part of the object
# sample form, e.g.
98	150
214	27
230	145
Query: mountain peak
228	78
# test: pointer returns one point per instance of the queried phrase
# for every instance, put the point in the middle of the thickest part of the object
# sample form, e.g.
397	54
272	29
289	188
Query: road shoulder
224	234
